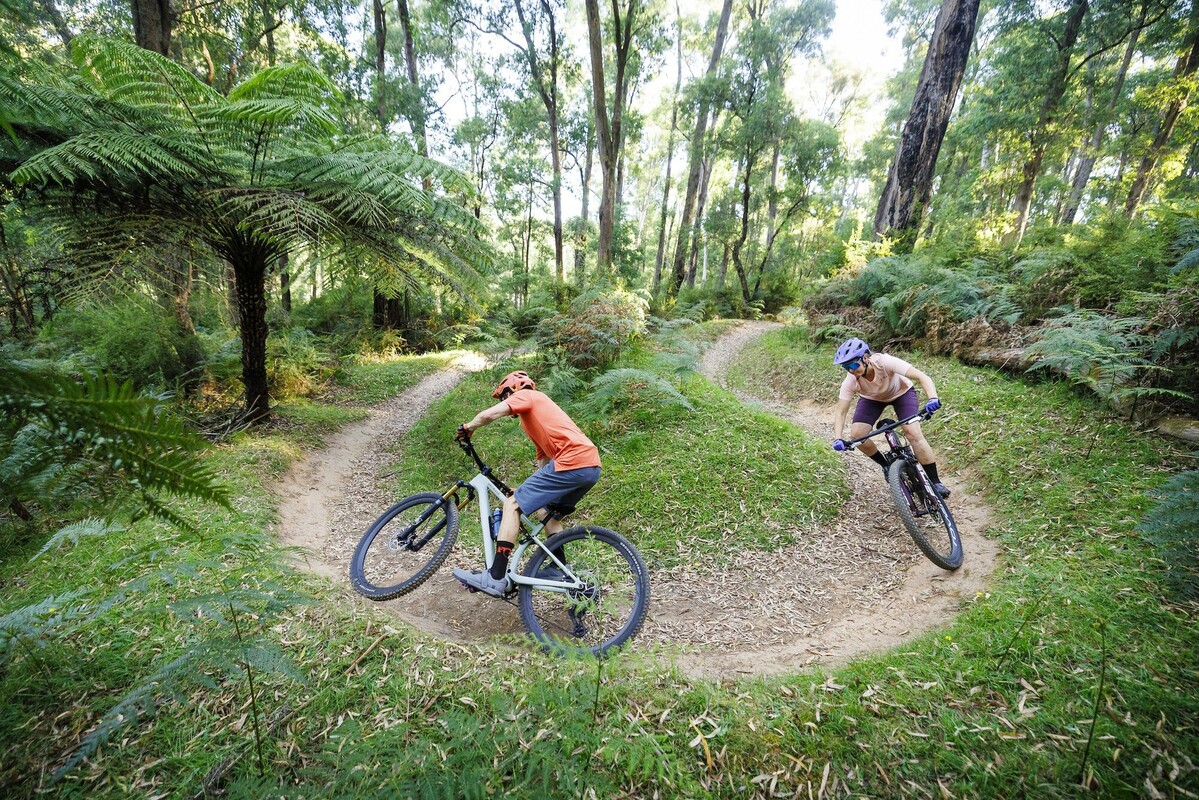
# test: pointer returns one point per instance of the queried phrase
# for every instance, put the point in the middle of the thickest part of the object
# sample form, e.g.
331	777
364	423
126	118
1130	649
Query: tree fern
135	145
1173	527
53	421
623	388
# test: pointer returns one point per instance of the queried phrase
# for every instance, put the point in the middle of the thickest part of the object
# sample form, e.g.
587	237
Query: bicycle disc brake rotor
580	601
400	541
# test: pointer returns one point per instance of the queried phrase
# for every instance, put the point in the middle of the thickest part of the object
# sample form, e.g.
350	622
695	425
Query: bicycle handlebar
469	448
921	415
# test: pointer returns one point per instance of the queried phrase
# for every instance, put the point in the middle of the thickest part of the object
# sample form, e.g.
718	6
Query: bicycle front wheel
404	546
601	615
926	516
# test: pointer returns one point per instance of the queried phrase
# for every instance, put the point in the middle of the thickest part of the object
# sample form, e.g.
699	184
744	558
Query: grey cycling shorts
557	491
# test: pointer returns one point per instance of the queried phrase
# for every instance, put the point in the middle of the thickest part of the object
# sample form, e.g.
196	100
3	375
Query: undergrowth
1072	673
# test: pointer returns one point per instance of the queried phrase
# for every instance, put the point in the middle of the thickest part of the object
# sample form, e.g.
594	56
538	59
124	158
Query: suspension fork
415	545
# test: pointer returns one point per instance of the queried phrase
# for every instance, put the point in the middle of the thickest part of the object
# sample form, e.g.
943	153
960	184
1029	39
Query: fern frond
74	532
32	623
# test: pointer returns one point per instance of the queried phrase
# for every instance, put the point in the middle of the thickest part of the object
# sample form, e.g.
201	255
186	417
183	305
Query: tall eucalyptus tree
695	153
910	177
1183	79
609	120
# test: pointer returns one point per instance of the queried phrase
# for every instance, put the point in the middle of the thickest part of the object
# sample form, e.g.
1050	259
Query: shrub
132	341
600	325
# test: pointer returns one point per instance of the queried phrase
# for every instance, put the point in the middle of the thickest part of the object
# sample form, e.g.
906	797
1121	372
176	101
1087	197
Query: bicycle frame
902	450
486	485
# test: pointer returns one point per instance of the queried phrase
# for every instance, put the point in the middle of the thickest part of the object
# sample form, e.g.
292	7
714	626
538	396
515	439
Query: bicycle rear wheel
404	546
606	612
926	516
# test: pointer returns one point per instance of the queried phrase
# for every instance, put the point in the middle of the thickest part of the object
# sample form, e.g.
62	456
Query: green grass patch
369	381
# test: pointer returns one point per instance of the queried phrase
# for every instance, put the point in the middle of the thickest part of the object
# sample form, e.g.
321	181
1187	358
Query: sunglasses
850	366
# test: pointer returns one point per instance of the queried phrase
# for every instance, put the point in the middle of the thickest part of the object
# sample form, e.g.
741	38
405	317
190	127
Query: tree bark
1086	164
59	24
608	127
695	156
284	283
416	114
697	227
584	211
249	267
674	117
380	14
153	23
910	177
1042	133
1187	63
545	79
744	234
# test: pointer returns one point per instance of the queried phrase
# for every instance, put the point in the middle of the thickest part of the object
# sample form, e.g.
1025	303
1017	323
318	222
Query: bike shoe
482	581
941	489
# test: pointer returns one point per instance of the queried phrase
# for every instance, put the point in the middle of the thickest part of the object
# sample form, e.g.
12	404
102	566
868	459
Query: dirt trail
855	586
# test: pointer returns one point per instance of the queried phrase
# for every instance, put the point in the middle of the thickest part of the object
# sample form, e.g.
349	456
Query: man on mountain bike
568	465
881	380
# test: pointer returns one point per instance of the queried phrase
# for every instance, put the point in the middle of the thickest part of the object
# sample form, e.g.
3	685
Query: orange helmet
513	381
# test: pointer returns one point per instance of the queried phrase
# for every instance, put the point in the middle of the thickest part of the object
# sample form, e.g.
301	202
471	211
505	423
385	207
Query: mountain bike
924	513
583	589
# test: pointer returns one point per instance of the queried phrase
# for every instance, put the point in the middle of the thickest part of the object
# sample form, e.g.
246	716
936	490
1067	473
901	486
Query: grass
998	704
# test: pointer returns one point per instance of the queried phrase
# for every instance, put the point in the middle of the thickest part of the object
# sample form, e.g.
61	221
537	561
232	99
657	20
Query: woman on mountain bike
880	380
568	465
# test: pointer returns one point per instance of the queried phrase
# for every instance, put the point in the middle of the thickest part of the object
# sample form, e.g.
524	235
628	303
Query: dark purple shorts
869	411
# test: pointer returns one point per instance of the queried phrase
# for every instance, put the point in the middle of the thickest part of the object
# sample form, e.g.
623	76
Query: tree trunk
674	117
284	283
59	24
416	114
698	226
547	89
910	177
153	22
1042	133
695	155
14	286
608	127
250	271
381	64
1187	63
1086	164
585	183
745	195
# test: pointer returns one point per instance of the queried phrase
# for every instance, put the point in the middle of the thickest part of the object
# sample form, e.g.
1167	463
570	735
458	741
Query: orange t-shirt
554	434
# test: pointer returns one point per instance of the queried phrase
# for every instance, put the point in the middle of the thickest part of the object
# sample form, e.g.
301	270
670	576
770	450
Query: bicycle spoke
607	609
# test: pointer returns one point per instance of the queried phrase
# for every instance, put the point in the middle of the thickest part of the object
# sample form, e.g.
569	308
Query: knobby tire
382	573
607	614
934	532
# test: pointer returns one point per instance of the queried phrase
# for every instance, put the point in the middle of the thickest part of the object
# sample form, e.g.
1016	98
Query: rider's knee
510	505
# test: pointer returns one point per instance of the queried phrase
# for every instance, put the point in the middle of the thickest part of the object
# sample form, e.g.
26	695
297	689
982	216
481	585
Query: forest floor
843	589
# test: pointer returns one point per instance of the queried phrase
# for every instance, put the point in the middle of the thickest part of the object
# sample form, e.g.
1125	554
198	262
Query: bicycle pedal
467	587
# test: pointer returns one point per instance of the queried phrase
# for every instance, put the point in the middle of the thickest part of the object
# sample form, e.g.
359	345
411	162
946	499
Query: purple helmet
850	350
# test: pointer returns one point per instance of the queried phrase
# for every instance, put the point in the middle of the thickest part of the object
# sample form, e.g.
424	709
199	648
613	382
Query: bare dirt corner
854	587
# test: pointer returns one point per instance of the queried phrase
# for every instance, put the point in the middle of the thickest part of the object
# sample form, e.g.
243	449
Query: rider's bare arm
488	416
839	418
926	383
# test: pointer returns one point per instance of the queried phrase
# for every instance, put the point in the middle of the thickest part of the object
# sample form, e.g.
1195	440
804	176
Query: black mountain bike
924	513
583	589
